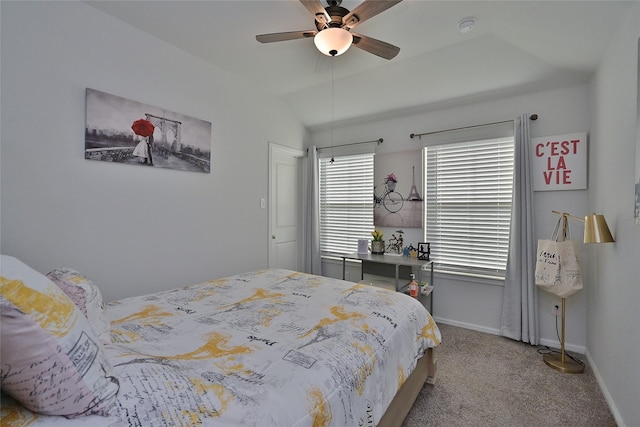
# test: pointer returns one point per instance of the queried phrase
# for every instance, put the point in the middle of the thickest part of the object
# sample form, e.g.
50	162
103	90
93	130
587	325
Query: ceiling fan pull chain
333	58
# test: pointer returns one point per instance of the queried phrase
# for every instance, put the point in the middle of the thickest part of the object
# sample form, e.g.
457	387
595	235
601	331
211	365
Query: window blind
346	202
469	188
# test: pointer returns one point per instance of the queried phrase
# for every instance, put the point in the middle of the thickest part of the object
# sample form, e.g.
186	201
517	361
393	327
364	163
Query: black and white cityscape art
125	131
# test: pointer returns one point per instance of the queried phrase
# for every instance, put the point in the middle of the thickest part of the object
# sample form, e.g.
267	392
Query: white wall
131	229
613	339
472	304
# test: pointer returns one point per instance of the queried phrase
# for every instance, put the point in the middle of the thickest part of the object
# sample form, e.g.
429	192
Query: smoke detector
466	25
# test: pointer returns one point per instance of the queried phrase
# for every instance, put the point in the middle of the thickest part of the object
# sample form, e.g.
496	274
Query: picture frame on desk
424	251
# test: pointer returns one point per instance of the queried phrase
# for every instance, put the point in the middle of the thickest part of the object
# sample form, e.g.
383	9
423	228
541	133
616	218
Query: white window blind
346	202
468	204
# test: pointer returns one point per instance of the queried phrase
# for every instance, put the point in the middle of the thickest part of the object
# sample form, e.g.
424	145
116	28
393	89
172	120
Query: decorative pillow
86	296
52	362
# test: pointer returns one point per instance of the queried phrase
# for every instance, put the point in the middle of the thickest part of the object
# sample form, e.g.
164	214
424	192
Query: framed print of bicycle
390	198
396	194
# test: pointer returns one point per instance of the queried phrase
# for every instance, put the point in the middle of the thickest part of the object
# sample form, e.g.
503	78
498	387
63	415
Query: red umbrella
143	127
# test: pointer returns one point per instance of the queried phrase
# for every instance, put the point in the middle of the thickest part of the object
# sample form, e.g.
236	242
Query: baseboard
607	396
549	343
464	325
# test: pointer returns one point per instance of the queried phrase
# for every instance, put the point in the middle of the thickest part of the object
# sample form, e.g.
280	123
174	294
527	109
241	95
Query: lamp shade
596	229
333	41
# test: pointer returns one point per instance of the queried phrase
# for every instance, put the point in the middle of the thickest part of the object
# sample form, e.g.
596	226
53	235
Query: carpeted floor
487	380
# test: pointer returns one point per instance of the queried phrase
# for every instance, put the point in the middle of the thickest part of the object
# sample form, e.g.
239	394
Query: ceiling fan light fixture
333	41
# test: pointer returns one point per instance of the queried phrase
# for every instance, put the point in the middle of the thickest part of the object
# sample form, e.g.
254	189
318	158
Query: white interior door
284	207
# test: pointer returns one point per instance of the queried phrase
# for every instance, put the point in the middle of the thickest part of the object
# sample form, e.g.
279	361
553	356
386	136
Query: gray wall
612	323
131	229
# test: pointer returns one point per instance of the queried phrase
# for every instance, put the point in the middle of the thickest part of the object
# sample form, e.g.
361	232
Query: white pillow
52	361
86	296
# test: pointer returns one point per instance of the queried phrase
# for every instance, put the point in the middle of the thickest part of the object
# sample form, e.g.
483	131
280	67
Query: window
468	204
346	202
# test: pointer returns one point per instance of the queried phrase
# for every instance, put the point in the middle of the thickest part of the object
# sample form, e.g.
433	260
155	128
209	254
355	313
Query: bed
265	348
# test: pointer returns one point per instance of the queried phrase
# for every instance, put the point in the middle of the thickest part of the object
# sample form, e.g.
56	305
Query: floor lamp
595	231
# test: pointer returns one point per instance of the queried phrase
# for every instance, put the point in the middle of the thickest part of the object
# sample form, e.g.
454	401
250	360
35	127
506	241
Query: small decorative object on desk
377	244
396	242
426	290
424	250
377	247
410	251
414	289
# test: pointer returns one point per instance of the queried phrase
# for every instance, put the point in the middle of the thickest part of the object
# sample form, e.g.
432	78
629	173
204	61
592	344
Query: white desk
397	261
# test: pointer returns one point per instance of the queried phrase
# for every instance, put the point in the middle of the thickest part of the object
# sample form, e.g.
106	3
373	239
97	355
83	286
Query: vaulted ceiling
515	47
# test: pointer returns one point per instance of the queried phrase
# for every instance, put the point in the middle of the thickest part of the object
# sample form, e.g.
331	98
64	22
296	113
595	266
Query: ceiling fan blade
317	10
377	47
366	10
280	37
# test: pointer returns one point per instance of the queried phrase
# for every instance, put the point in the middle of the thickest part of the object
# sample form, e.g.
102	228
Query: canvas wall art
559	162
398	189
125	131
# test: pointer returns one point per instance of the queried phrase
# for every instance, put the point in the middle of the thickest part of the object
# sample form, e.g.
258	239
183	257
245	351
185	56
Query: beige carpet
487	380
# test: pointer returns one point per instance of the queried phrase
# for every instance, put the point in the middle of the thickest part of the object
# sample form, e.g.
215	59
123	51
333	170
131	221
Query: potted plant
377	244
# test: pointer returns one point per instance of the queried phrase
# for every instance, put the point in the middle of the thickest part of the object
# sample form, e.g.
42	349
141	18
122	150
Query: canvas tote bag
557	266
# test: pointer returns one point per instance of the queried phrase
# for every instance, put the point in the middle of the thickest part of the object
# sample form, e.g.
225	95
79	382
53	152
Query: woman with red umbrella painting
144	129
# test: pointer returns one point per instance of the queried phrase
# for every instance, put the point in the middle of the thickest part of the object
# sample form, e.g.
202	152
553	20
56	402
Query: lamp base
569	366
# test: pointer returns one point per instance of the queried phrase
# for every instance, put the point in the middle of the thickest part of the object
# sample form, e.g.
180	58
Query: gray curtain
311	217
519	319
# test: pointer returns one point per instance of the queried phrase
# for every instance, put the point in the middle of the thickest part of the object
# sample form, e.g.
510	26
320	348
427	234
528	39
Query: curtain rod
379	141
419	135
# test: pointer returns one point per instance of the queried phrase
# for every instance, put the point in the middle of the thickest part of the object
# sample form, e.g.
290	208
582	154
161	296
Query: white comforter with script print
266	348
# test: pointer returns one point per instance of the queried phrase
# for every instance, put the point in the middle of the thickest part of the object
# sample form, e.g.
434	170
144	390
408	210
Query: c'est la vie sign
559	162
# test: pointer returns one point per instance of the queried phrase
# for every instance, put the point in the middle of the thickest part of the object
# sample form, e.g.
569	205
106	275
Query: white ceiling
515	47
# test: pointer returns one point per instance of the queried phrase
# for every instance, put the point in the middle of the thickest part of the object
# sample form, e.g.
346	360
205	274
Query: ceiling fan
333	35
